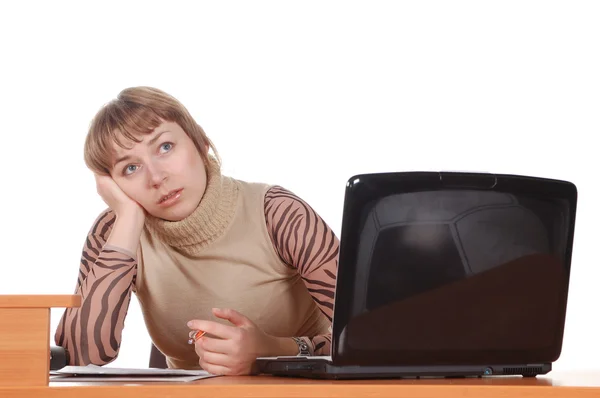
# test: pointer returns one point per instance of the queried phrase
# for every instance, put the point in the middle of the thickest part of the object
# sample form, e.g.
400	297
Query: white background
303	94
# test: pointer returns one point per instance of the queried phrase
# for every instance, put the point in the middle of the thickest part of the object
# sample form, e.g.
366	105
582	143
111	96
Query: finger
232	316
213	358
216	359
216	345
199	350
215	369
99	183
213	328
102	179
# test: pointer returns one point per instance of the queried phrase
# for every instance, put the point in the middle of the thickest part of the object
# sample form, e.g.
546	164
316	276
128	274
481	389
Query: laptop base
319	368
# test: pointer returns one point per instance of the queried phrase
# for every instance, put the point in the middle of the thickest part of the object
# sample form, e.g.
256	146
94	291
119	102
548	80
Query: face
164	173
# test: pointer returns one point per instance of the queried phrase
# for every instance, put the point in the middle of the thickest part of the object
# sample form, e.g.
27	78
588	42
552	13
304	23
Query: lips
166	198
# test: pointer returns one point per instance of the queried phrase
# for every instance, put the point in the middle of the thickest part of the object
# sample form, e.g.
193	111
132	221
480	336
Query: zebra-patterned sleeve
92	333
304	241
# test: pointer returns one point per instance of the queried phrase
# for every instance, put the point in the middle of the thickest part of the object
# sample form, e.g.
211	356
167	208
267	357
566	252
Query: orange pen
195	335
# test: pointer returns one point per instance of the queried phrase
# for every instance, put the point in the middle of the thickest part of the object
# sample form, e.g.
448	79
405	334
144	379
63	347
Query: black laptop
447	274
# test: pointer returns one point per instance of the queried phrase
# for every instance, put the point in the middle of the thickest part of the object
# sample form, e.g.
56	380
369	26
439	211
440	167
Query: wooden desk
25	337
553	385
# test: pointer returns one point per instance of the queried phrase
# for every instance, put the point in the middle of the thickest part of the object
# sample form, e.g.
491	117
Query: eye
166	147
129	169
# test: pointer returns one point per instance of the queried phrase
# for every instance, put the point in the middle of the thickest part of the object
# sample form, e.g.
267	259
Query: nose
156	175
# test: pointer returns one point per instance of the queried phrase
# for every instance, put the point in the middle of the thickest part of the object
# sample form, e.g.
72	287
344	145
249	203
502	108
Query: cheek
193	158
191	162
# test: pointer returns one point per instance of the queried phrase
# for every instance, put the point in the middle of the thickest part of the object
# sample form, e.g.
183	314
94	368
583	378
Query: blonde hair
137	111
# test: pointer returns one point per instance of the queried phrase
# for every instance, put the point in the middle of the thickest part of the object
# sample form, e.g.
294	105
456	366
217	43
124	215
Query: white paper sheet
106	373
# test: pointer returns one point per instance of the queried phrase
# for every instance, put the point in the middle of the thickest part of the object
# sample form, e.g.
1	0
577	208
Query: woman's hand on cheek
231	350
116	199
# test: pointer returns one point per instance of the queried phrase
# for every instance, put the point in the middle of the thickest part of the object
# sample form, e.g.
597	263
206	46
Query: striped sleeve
304	241
92	333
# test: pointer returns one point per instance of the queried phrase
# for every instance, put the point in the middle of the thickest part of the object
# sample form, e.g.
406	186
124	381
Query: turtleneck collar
208	222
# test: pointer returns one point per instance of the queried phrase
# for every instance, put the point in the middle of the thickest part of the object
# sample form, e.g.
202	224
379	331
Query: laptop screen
451	276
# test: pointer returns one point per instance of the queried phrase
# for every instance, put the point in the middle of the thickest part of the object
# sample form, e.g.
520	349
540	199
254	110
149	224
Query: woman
250	264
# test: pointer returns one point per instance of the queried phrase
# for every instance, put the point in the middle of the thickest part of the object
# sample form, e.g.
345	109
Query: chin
171	216
175	214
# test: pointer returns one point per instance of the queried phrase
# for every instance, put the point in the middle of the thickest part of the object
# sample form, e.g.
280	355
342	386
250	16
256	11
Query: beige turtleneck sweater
255	248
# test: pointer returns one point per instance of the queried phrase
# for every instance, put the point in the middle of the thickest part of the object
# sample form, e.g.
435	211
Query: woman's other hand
232	350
